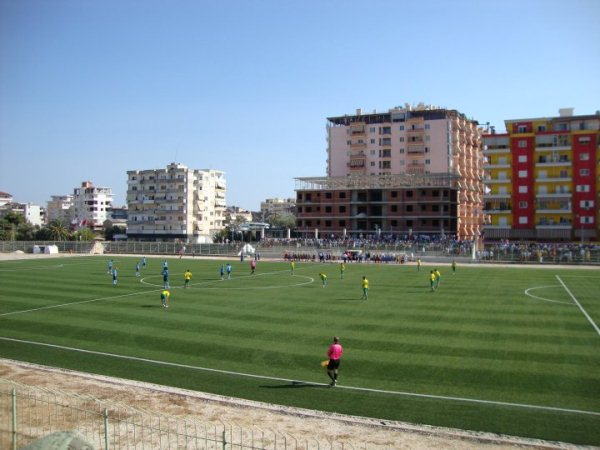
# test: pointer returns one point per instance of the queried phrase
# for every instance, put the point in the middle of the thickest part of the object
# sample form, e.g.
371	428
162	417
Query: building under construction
411	170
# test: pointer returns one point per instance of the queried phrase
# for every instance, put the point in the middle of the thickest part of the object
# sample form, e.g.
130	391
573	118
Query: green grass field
507	350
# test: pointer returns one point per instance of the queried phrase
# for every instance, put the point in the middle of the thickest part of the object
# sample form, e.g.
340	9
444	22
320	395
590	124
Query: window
522	129
523	189
394	194
522	174
394	208
541	128
584	156
409	208
349	142
401	162
427	161
584	172
342	223
409	193
584	139
522	159
327	194
309	209
423	207
372	130
372	152
342	209
328	209
523	220
342	195
372	141
401	139
427	126
299	209
522	204
401	150
372	163
401	128
522	143
328	223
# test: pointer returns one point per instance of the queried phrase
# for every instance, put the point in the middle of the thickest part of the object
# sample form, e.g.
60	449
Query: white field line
112	297
310	383
528	293
579	305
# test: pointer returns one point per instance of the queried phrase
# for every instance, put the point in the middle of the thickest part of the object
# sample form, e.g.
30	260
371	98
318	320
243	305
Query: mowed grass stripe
479	336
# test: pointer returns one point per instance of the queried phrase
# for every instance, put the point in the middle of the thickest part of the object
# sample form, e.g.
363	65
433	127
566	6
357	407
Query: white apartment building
91	205
60	207
273	206
176	203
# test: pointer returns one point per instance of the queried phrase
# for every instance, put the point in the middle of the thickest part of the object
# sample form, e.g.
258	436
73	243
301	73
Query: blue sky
90	89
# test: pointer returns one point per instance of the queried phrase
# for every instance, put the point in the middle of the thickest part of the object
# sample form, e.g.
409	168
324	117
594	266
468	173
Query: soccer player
292	266
165	264
165	274
228	269
114	276
222	271
110	267
137	269
342	270
253	266
365	288
323	278
143	262
164	298
418	264
453	266
438	277
334	353
432	280
187	276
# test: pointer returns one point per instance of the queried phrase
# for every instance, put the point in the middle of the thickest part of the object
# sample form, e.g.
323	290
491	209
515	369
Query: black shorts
333	364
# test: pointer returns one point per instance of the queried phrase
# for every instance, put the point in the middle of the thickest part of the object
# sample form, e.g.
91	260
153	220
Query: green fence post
14	419
105	428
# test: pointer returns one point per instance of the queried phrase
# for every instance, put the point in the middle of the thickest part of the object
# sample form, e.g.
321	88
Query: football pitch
507	350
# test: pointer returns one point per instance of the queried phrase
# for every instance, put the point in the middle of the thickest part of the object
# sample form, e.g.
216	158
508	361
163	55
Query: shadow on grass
294	385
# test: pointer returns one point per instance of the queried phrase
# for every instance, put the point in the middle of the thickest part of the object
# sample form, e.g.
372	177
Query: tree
85	234
10	224
58	231
109	232
282	221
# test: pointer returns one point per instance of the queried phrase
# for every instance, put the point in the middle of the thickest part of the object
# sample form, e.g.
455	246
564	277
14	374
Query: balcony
358	145
553	195
552	148
498	166
497	196
413	149
553	180
497	180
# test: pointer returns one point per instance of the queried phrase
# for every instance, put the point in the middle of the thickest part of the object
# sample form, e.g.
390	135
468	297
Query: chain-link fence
28	413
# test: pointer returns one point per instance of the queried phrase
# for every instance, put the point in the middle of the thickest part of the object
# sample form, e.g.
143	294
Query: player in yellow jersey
365	288
187	276
323	278
292	266
438	277
164	298
432	280
342	270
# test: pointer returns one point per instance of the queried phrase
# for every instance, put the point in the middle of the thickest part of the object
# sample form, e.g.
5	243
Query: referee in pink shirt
334	354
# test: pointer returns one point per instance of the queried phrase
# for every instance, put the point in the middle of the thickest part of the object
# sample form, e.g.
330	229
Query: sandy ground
301	423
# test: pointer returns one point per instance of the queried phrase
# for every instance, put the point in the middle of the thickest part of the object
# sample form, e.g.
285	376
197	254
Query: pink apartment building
404	149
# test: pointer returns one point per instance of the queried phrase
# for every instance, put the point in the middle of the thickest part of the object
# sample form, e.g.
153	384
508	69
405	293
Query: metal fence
28	413
522	252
